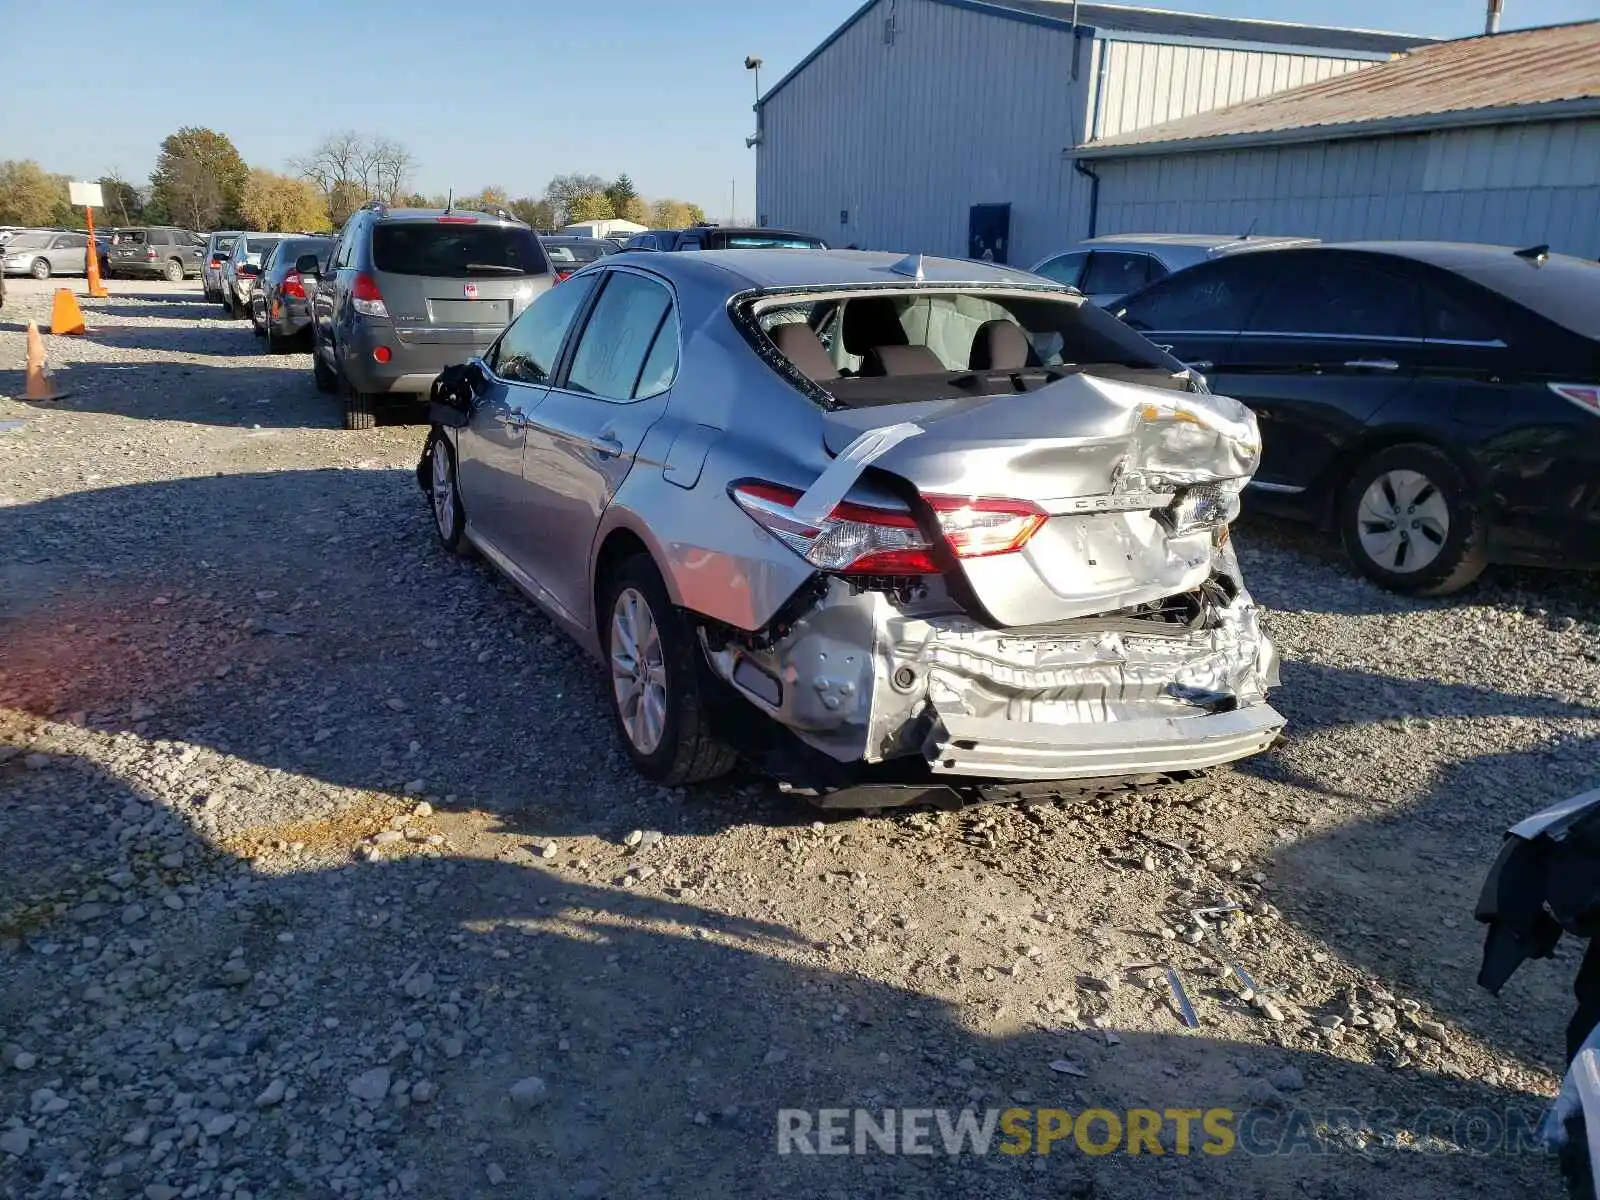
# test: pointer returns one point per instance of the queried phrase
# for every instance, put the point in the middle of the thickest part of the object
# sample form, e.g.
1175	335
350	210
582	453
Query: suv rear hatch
456	280
128	246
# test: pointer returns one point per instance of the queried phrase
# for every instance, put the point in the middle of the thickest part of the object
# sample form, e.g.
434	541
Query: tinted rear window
260	247
1565	290
573	254
456	251
128	237
224	244
758	241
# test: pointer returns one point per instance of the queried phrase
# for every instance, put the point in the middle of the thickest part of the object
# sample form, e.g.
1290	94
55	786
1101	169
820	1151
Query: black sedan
1436	403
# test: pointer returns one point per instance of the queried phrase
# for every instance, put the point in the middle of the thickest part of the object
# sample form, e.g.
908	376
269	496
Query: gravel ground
321	877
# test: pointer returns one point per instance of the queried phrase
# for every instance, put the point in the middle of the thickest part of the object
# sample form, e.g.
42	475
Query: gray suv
162	250
408	292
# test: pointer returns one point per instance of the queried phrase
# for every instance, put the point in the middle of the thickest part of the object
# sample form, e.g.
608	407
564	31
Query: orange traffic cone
66	316
40	386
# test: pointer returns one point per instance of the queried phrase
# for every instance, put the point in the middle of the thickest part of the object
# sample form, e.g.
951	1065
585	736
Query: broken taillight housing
856	539
1203	506
1584	395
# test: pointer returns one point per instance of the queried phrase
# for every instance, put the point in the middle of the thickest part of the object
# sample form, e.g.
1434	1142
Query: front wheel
40	268
655	669
327	379
174	271
1411	522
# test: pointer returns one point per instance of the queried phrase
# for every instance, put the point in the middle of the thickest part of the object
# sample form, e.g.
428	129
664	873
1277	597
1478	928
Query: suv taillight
364	294
216	264
294	286
855	539
1584	395
151	254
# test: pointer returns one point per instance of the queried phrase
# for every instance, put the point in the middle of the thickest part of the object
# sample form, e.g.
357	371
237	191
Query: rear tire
444	496
277	344
40	268
327	378
1411	522
173	271
360	409
654	662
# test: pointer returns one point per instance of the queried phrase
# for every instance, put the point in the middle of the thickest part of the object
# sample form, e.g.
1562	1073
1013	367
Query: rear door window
1115	273
1215	297
1324	295
224	245
527	351
1064	268
623	329
454	249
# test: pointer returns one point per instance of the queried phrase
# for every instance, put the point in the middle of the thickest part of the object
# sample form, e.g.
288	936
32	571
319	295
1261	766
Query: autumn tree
488	200
621	193
541	214
199	178
343	201
282	203
590	206
30	195
675	214
563	190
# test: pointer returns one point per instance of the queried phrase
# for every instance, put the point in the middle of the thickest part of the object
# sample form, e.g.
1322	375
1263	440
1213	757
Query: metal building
1488	139
953	126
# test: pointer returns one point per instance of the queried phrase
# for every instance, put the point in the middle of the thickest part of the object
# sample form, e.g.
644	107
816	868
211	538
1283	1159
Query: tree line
201	182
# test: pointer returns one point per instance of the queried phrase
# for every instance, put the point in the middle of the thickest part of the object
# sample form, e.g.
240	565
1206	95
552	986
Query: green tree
697	215
123	206
675	214
541	214
489	199
30	195
621	193
590	206
416	200
199	178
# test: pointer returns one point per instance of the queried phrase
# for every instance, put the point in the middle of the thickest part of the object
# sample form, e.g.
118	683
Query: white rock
24	1060
219	1123
496	1175
424	809
16	1141
634	838
370	1085
530	1092
272	1094
423	1091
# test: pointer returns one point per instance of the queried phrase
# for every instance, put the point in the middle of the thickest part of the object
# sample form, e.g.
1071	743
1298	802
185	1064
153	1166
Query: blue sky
481	93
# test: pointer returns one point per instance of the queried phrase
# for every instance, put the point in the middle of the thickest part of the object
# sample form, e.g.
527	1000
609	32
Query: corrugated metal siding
962	109
1152	83
1514	184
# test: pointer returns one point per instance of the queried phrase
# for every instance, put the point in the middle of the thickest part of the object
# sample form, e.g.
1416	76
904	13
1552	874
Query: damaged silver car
883	527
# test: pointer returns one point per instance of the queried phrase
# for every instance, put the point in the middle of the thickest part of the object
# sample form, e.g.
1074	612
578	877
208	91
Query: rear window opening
566	256
456	251
875	347
128	237
759	241
224	244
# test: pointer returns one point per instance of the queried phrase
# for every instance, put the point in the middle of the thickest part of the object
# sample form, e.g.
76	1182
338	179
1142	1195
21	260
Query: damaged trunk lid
1132	488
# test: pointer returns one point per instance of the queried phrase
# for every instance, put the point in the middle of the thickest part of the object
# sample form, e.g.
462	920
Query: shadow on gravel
306	622
272	391
668	1037
166	308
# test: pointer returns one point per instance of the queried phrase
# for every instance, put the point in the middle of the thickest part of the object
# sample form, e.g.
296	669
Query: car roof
433	214
776	268
1198	241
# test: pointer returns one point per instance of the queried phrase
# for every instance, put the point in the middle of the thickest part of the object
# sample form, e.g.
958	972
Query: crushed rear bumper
984	747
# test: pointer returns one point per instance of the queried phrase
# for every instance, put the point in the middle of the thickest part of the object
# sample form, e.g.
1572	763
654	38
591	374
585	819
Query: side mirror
308	264
249	270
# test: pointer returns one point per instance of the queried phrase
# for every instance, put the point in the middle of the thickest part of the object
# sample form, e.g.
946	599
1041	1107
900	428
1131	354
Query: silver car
45	252
884	528
242	268
1108	268
218	247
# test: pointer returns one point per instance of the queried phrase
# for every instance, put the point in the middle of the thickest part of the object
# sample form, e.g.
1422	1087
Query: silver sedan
882	527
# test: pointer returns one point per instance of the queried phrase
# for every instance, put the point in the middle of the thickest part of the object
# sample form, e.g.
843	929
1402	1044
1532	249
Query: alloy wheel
1403	521
638	671
444	491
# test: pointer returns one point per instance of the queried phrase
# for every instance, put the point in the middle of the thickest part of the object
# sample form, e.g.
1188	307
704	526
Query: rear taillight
151	255
855	539
216	264
293	286
563	276
365	296
1584	395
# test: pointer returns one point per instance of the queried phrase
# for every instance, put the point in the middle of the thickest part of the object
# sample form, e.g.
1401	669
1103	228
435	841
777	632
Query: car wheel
360	409
445	497
277	344
40	268
174	271
327	379
1411	523
656	677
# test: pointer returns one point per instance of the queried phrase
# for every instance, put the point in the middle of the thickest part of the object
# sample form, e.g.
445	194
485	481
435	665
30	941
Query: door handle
1373	364
516	421
606	445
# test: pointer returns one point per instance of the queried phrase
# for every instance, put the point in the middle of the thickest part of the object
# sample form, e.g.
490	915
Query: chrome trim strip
1282	489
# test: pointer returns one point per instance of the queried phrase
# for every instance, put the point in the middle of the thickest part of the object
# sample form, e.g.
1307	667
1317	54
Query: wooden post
91	261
